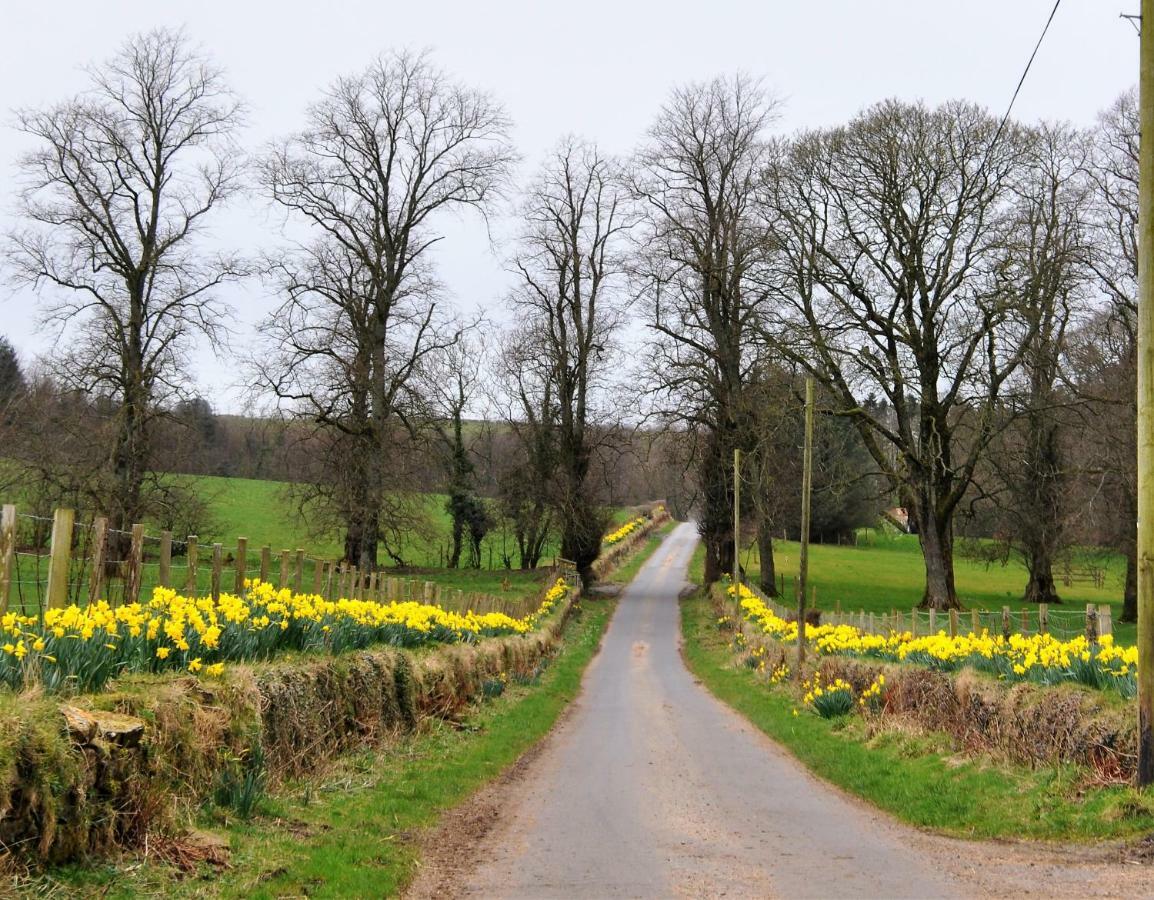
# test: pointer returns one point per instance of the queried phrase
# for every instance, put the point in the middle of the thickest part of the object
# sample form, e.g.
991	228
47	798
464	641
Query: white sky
598	69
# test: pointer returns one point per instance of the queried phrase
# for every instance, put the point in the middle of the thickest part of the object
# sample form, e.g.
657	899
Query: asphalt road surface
650	787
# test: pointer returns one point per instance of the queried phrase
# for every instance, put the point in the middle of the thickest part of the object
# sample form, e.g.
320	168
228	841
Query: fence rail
1094	621
88	561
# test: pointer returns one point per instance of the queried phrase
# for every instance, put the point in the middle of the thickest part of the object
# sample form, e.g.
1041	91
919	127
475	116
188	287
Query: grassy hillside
262	512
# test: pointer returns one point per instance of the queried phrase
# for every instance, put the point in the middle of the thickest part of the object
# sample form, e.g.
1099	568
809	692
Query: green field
885	572
263	512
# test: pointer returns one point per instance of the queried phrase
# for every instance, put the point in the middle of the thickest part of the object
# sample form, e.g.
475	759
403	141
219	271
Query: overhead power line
1025	72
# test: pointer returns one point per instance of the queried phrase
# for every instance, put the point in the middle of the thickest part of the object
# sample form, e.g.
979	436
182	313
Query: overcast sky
597	69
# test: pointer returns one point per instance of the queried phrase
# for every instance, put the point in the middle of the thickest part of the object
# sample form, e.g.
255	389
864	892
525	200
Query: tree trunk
719	555
581	537
1040	587
716	523
936	536
767	577
1130	596
458	536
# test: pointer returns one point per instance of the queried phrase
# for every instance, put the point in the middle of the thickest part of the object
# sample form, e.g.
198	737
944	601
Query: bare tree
525	477
568	300
699	268
115	195
1045	267
1110	350
893	235
452	384
384	154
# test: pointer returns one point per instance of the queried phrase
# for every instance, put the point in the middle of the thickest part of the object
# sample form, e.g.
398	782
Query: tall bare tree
384	155
452	385
115	196
699	269
569	303
1112	375
892	235
525	477
1045	268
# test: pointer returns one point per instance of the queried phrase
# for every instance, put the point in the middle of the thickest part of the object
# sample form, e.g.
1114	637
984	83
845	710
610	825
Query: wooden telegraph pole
806	490
737	525
1146	399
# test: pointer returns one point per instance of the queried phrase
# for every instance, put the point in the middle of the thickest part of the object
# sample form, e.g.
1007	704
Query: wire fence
55	561
1093	622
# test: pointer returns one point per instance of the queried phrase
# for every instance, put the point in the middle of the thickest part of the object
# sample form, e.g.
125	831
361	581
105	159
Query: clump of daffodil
1039	658
828	700
616	537
81	648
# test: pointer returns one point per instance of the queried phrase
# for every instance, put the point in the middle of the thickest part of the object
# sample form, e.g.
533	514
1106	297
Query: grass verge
917	777
354	832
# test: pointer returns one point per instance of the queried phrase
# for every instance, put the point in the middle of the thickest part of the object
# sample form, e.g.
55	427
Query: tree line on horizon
961	288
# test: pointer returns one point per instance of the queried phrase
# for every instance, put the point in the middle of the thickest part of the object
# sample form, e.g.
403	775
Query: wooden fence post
914	621
56	595
241	562
318	575
135	579
428	595
1105	619
299	572
99	552
217	570
1091	623
1025	620
953	623
933	621
1043	618
192	551
164	567
265	562
7	553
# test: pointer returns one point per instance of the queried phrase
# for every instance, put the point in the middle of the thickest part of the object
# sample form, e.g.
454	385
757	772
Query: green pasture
265	514
885	572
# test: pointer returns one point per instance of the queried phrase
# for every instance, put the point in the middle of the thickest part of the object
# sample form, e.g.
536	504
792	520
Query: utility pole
1146	398
737	524
806	491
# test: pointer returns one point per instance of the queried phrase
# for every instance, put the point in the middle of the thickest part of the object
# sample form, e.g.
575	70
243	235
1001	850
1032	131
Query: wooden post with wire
217	570
60	555
135	579
1145	770
99	558
737	525
241	565
7	553
164	566
191	553
803	555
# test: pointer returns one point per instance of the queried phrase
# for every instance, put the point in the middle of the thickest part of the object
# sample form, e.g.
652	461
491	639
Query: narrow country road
650	787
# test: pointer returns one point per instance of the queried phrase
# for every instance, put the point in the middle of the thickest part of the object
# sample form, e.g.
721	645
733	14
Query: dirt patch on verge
449	851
